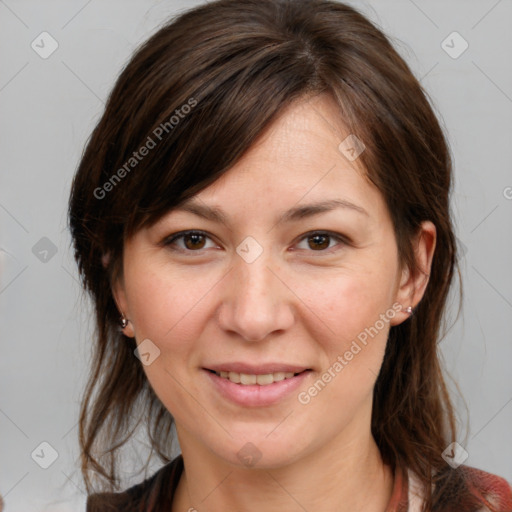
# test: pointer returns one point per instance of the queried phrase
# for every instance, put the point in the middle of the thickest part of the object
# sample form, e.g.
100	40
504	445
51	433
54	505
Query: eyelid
341	239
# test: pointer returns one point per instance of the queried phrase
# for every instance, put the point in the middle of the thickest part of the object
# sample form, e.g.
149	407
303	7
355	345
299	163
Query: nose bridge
257	303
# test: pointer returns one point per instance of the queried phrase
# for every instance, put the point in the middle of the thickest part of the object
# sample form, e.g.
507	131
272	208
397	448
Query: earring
408	310
123	321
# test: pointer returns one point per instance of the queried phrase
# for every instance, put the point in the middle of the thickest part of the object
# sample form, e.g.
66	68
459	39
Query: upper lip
256	369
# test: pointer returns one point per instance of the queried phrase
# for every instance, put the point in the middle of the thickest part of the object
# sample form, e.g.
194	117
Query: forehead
297	159
309	130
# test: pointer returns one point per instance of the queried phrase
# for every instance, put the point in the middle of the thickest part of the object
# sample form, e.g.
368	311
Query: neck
349	477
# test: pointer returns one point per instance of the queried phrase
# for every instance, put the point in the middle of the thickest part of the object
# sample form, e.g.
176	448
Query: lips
256	385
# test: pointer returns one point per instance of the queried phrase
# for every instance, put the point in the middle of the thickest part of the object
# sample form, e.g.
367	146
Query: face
267	284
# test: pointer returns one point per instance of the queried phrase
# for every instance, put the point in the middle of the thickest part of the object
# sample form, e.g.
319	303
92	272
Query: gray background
48	108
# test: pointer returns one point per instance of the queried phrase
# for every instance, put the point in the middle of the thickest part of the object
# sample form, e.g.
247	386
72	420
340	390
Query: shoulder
463	489
152	494
493	491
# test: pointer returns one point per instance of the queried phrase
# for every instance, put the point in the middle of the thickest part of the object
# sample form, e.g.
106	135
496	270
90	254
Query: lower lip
254	395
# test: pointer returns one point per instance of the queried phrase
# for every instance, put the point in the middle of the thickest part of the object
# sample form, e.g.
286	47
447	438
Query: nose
256	301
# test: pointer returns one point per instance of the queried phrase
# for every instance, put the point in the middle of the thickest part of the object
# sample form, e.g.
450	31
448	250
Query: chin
260	451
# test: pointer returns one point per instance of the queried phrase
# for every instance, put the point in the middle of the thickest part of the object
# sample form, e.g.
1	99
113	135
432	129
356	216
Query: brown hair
237	64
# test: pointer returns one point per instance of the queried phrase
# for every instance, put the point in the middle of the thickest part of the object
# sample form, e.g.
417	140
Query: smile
246	379
255	390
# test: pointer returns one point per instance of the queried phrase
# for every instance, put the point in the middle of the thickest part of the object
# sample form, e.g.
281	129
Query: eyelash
170	240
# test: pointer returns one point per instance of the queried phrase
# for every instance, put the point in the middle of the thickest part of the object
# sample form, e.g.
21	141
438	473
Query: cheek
351	321
164	302
166	307
347	303
170	307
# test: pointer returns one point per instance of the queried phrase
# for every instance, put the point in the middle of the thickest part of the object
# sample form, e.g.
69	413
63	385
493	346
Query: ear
412	285
119	294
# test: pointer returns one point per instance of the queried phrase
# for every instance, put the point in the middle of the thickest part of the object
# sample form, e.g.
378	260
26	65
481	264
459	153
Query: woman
261	217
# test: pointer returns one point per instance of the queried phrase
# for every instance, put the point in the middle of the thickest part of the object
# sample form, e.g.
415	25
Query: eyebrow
292	215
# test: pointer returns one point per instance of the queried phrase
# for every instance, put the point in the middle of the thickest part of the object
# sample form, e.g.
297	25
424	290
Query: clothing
155	493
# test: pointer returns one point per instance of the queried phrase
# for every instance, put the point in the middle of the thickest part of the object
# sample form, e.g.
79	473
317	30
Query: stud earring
123	321
408	310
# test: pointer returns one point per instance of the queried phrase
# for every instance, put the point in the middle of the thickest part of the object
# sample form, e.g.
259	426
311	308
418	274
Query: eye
193	241
319	241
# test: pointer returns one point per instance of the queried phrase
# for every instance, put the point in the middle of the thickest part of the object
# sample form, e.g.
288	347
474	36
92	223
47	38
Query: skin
302	301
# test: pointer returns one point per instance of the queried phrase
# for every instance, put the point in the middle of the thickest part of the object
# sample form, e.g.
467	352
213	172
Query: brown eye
319	241
187	241
194	241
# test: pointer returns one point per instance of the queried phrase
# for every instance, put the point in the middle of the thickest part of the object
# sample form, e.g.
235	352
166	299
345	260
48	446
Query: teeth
248	379
263	380
233	377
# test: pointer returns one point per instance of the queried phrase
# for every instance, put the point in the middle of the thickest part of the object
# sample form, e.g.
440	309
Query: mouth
251	379
256	389
256	384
